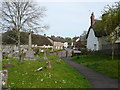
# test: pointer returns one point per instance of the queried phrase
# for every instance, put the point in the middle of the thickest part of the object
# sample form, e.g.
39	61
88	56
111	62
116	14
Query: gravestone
10	55
4	78
48	65
30	53
45	57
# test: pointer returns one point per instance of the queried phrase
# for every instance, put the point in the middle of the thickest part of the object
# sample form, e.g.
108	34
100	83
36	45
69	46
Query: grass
60	76
101	63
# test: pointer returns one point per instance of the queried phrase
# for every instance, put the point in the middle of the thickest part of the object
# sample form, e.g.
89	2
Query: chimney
92	19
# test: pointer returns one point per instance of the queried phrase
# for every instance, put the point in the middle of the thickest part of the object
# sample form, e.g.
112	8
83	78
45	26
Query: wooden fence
109	46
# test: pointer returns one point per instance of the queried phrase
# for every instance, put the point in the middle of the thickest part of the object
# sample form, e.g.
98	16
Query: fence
107	49
109	46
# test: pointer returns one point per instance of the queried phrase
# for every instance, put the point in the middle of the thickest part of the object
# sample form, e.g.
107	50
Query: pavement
96	79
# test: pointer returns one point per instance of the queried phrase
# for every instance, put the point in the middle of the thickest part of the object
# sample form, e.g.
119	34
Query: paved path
97	80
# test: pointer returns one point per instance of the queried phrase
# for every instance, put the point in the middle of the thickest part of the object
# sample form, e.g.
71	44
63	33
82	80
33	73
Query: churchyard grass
0	65
101	63
60	76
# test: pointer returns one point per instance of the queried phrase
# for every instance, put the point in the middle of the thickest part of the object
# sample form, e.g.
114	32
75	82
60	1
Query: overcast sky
68	19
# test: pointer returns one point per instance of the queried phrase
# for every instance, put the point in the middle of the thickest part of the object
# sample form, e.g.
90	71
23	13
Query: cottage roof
41	40
36	39
98	33
57	39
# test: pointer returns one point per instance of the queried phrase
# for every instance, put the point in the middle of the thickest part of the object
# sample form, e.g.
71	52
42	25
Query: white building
95	38
65	44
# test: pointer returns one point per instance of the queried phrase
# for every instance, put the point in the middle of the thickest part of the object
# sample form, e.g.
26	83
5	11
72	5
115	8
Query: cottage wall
102	40
92	41
58	45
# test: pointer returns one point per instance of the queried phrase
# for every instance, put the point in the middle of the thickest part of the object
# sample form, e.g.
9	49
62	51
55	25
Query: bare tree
22	16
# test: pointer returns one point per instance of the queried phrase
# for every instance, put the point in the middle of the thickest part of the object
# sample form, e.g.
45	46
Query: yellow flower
41	79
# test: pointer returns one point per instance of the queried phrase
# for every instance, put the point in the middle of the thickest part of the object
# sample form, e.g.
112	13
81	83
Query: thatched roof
36	39
57	39
98	33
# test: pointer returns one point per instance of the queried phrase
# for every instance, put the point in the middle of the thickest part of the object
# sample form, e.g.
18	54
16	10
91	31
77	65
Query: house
80	42
73	44
58	42
65	45
95	38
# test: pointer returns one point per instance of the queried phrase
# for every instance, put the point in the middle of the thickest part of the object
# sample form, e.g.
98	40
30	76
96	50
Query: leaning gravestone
4	78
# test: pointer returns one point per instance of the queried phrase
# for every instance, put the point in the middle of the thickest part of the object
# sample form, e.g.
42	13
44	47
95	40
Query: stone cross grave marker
30	53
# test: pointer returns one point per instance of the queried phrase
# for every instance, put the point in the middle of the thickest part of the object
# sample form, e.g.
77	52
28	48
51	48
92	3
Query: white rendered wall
91	40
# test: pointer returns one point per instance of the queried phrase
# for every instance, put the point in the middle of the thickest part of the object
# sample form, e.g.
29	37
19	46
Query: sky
69	19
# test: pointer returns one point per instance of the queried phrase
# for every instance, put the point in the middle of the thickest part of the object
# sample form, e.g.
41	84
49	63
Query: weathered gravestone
10	55
4	78
39	69
48	65
30	53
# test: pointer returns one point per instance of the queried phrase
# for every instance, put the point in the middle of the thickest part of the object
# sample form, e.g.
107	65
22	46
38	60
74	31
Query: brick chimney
92	19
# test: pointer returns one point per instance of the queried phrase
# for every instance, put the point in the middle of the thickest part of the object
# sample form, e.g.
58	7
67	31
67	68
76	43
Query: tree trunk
20	60
112	50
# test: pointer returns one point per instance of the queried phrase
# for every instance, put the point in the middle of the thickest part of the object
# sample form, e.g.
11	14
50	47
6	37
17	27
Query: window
94	46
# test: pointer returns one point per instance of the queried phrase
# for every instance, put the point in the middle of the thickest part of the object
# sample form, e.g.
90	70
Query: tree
110	21
69	40
22	16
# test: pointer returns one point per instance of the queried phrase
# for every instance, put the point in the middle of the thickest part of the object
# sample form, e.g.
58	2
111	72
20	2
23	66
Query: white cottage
95	38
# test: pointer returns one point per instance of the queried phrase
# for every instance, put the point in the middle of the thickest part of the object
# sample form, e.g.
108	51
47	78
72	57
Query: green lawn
60	76
101	63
